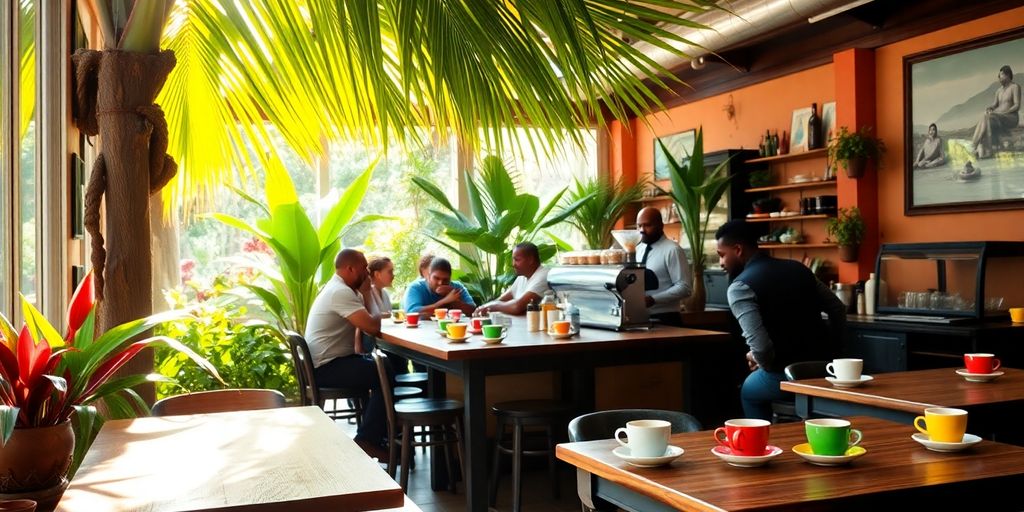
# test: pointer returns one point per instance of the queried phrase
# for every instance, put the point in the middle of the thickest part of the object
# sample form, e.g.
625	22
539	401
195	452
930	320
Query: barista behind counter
666	260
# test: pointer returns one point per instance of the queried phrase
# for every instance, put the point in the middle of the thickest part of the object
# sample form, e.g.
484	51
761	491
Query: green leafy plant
847	227
304	255
247	353
595	218
696	193
46	378
846	146
500	217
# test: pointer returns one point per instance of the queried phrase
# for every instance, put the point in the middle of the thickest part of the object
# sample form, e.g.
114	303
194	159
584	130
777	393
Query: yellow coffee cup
1017	315
943	424
457	330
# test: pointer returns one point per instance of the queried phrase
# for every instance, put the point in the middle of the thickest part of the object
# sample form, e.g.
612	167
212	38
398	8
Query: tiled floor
536	489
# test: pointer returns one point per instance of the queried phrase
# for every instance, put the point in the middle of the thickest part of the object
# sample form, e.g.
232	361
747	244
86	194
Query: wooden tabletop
519	342
700	481
914	391
292	459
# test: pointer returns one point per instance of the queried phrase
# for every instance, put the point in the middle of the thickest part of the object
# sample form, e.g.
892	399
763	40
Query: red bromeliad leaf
108	368
32	358
82	303
9	363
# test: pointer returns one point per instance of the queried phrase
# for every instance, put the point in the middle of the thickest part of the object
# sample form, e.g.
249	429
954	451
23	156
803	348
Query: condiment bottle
548	303
532	317
573	313
860	302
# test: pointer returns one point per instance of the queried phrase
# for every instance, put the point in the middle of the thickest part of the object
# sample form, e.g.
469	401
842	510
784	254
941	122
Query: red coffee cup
981	363
478	323
412	319
745	437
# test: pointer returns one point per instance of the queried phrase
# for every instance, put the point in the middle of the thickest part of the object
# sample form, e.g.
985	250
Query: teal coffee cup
493	331
831	436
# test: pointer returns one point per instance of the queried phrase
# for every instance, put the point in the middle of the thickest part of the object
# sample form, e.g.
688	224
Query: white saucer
978	377
849	383
411	326
804	451
746	461
457	340
671	454
493	341
938	446
474	331
557	336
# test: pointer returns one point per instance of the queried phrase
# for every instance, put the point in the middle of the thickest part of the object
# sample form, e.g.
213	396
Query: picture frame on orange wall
963	137
798	130
680	145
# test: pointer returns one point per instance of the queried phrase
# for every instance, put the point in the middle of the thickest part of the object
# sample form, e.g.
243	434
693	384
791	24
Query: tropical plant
846	146
304	255
596	217
500	218
847	227
696	193
46	377
247	352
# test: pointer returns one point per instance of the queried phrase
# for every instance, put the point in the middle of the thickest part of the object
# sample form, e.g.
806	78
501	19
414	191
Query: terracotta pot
855	166
35	462
698	299
17	506
848	253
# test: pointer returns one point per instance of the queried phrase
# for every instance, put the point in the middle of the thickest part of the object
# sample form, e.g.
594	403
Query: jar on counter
547	303
532	317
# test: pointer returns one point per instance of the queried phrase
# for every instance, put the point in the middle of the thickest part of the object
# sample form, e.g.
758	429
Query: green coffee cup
831	436
493	331
442	325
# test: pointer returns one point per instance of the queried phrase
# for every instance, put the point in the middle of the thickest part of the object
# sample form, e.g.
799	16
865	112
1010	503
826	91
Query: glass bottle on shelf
814	129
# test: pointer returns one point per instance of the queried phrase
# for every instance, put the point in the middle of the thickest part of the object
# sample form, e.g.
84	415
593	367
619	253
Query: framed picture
680	145
828	120
798	130
962	133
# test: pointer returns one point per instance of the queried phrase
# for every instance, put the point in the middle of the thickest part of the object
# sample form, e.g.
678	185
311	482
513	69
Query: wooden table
900	396
524	352
291	459
894	468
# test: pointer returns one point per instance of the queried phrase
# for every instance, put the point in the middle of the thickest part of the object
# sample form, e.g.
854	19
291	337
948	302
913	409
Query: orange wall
895	226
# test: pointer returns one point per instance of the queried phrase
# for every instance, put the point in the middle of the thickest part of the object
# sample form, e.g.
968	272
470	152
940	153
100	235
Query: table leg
474	393
436	388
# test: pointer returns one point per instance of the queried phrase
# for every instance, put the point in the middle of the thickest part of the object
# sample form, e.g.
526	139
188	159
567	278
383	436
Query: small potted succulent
854	150
847	229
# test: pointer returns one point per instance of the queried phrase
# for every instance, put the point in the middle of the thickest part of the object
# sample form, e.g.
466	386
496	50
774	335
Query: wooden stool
519	414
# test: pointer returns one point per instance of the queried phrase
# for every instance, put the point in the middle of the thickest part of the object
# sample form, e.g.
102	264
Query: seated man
344	305
778	304
530	284
438	291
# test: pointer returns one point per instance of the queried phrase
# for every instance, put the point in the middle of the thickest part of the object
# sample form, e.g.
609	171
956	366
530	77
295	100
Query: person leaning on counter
530	284
438	291
778	304
667	262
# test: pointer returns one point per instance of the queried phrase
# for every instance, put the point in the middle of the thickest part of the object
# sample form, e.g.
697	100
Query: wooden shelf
786	219
794	186
771	247
791	157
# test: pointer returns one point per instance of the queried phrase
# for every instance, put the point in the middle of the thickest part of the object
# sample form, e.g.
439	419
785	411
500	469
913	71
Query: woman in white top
382	275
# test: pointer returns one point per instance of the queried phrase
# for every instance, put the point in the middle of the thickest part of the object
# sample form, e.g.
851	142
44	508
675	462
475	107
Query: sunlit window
26	202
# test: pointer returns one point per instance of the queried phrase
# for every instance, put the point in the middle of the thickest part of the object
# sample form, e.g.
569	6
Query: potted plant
596	217
48	381
695	192
854	150
846	229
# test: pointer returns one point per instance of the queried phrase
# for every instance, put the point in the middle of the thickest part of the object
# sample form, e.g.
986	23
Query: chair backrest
219	400
602	424
308	390
381	359
806	370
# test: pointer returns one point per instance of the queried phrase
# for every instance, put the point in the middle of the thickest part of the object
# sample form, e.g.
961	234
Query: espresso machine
608	296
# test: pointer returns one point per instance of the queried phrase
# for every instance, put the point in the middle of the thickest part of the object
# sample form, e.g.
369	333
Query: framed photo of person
798	130
962	127
680	145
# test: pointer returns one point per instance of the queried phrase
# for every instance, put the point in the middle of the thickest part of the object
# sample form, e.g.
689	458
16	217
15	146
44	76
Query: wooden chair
602	424
784	411
444	415
220	400
518	416
312	394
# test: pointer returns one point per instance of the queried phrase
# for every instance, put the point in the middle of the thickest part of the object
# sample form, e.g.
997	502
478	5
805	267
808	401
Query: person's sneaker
375	451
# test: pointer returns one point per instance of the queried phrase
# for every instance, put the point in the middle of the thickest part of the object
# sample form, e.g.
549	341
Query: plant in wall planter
846	229
855	150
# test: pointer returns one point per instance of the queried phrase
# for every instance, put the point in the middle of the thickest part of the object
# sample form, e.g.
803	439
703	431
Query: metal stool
519	414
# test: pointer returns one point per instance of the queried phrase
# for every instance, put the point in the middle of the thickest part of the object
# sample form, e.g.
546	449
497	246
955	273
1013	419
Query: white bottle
870	289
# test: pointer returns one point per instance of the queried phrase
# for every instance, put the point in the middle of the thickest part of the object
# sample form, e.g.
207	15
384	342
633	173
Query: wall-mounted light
698	63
